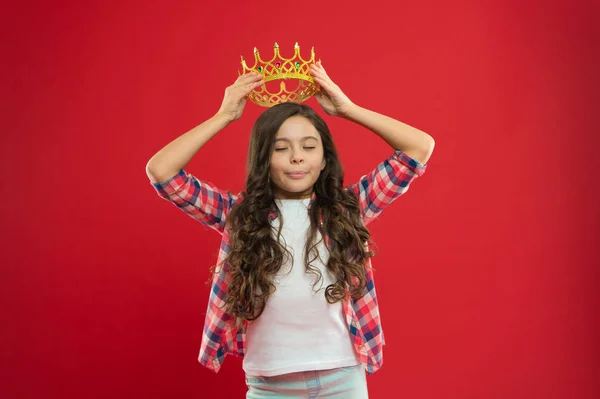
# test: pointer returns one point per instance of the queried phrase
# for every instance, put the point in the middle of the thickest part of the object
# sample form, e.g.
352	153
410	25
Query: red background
487	269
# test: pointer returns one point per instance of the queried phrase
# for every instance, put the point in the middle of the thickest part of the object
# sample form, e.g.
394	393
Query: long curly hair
256	252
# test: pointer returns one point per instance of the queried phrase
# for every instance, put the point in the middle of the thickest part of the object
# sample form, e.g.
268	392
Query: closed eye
283	149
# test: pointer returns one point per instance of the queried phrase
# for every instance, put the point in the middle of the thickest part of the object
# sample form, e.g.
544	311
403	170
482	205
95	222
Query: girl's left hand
330	97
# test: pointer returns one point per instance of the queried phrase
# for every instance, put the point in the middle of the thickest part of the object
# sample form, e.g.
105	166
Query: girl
293	291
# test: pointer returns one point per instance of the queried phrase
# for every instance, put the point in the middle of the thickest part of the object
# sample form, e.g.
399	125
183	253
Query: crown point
296	45
276	45
255	50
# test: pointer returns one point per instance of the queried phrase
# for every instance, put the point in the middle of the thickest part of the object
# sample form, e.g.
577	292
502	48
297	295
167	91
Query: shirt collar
273	211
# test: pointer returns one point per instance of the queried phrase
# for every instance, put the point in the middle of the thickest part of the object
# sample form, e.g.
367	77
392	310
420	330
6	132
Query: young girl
293	291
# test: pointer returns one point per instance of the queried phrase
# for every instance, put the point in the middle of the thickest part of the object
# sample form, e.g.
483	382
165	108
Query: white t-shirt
298	330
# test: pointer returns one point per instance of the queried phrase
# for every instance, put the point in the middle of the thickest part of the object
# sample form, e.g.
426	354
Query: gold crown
279	68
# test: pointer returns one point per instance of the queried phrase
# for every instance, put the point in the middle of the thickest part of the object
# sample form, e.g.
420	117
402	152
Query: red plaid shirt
210	205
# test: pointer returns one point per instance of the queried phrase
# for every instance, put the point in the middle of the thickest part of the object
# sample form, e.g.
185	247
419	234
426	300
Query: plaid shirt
210	205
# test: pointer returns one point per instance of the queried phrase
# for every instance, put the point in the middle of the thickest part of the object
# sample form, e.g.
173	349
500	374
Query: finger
245	84
320	68
249	77
318	65
315	72
324	83
318	71
251	86
252	76
318	75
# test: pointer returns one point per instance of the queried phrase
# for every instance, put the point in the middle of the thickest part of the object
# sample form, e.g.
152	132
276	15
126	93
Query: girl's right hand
235	95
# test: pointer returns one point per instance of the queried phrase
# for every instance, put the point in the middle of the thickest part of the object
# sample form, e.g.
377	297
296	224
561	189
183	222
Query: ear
323	164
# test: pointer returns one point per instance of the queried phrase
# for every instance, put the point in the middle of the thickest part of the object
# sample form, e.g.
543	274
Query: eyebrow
303	138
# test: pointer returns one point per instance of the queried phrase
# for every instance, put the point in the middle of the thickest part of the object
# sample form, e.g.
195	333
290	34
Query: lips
296	175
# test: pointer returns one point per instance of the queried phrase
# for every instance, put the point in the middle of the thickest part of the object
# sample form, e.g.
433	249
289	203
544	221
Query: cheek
274	166
319	161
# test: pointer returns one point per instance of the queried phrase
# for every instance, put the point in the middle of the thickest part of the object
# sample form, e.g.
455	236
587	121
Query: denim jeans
345	382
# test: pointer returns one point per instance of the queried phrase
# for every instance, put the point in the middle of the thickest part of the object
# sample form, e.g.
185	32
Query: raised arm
392	177
400	136
199	199
167	162
175	156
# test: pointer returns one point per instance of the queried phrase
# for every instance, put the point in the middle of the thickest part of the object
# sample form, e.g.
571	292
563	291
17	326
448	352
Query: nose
296	158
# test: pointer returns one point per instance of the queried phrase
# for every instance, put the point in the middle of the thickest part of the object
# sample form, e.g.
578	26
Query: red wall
487	269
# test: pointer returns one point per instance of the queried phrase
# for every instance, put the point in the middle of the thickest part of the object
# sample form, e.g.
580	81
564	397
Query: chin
295	191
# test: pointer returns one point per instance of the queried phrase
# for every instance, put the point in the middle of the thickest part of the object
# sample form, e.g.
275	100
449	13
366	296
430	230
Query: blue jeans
343	383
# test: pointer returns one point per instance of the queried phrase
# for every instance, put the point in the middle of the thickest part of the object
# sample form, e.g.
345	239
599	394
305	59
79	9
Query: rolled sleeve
388	181
199	199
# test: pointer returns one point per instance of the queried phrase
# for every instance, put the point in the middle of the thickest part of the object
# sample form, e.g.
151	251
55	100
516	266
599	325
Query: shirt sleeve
389	180
201	200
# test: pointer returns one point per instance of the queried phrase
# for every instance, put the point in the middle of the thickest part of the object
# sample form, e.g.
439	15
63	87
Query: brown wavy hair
256	255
